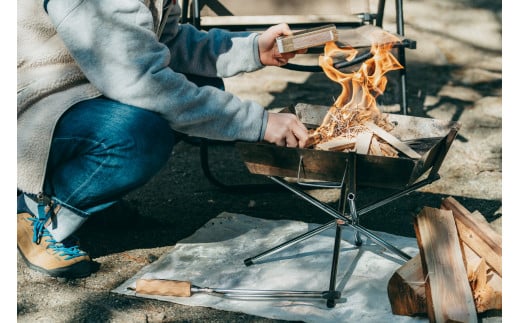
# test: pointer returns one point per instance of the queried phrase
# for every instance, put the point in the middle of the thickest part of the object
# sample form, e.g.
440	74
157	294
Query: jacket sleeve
115	45
214	53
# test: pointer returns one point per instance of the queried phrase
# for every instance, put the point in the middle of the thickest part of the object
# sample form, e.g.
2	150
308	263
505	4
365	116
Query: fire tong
178	288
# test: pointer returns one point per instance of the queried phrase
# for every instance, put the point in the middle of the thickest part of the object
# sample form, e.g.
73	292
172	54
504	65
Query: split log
337	144
389	138
485	283
363	142
375	147
407	292
477	233
408	297
406	289
448	293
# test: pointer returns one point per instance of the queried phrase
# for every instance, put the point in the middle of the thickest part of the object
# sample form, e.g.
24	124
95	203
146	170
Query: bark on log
406	289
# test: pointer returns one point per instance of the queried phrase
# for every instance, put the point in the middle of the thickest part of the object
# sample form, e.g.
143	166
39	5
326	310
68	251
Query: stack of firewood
458	271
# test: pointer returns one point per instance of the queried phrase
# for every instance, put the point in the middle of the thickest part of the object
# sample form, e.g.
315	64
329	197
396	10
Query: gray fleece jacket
132	51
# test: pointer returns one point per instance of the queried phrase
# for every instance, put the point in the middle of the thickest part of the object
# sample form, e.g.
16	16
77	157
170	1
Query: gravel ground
455	73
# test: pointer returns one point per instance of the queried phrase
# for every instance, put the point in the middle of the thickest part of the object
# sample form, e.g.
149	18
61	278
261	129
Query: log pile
458	271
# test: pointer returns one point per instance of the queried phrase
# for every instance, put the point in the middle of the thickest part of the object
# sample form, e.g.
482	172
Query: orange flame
357	102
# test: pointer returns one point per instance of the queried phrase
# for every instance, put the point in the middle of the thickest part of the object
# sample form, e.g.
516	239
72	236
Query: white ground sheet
213	257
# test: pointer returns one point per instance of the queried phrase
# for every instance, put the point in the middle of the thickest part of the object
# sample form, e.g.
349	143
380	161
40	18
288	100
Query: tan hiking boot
42	253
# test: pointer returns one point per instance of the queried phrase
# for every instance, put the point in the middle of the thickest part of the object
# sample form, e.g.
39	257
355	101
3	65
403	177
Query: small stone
151	258
155	318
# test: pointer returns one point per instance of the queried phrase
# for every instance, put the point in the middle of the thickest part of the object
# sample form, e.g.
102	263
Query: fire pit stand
348	170
342	218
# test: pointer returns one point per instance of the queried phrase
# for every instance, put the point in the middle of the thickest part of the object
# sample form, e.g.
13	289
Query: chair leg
402	80
401	56
184	14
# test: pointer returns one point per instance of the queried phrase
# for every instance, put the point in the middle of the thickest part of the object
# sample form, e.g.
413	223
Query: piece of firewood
375	148
307	38
448	293
392	140
363	142
337	144
480	224
407	295
485	283
479	246
477	233
388	150
406	290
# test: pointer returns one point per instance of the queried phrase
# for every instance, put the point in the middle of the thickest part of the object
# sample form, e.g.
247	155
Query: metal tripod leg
330	211
318	230
348	188
355	219
349	193
331	302
434	176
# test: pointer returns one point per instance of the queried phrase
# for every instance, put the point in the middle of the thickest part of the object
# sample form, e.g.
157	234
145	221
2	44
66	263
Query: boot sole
78	270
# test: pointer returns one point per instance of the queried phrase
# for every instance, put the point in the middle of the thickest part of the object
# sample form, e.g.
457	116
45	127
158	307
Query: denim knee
102	150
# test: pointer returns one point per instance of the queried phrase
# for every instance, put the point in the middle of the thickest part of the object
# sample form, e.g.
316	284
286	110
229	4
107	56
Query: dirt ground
455	73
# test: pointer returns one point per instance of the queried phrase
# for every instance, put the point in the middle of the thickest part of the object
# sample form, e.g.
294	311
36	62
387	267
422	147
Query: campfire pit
430	138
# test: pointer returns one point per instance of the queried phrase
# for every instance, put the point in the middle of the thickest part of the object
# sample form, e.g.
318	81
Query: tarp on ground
214	257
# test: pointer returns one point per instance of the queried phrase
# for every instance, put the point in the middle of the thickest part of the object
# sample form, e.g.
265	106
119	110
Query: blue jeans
101	150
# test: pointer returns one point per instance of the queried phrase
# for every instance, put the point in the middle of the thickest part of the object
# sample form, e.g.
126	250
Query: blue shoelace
68	248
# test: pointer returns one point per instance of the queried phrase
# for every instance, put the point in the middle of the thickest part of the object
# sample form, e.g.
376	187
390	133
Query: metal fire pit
431	138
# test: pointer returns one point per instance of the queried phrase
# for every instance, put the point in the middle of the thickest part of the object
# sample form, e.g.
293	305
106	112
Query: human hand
269	54
285	129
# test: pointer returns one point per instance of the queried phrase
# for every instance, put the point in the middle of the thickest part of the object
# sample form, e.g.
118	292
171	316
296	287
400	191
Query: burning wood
346	121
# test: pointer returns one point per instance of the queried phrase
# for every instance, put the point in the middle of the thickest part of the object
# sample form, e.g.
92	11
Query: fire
356	104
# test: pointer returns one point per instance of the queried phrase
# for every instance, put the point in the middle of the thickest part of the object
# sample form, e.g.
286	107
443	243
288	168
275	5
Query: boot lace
68	248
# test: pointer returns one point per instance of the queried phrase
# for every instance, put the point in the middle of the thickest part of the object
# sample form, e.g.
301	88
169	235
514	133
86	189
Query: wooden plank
477	233
479	246
389	138
307	38
337	144
448	293
476	222
363	142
